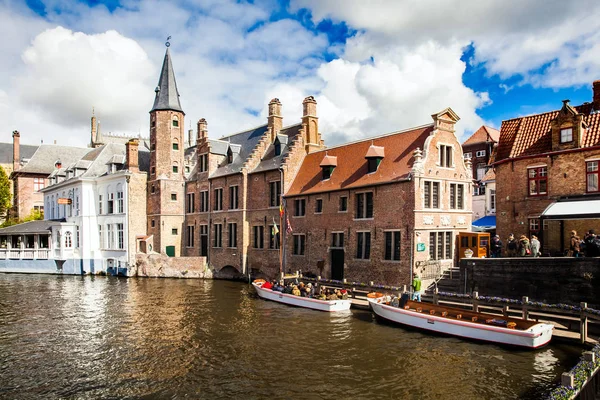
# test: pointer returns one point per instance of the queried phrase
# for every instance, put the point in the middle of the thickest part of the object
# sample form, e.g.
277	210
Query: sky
373	66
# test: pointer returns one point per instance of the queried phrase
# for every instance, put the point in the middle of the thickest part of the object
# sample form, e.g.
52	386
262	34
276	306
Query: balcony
25	254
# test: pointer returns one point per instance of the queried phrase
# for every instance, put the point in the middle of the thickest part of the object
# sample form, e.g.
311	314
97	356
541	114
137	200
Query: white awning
575	209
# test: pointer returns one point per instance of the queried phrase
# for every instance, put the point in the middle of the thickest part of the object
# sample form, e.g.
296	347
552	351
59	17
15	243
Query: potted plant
468	253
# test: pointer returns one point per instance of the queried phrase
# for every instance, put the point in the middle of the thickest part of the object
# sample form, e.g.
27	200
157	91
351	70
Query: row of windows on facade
113	231
110	204
363	201
479	153
537	178
440	243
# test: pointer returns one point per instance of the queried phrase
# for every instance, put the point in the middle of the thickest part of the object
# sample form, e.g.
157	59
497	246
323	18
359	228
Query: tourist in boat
277	287
416	285
310	290
267	285
295	290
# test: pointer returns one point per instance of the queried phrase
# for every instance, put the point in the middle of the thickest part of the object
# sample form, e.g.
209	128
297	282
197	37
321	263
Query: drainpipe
282	231
209	226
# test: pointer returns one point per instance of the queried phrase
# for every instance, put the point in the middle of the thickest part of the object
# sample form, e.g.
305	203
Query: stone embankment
155	265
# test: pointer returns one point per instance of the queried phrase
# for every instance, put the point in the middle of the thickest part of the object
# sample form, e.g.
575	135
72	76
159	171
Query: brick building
370	210
14	155
479	149
29	176
547	174
166	182
233	195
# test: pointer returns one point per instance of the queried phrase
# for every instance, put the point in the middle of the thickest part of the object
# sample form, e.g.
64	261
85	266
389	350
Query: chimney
16	150
131	154
274	120
94	132
202	131
58	164
596	95
310	124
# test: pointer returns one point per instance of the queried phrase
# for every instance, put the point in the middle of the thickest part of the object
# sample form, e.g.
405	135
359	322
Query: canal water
112	338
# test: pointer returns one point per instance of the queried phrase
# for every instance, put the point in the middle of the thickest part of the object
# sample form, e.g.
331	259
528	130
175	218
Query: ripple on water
91	337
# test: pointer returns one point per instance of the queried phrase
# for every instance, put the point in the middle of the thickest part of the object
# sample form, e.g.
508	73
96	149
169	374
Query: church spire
167	95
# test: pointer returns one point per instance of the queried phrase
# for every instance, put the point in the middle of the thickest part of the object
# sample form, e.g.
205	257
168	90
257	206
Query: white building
95	208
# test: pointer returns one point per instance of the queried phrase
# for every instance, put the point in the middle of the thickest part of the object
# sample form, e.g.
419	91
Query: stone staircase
450	281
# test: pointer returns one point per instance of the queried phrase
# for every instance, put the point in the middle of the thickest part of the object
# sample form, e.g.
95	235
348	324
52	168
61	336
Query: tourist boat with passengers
462	323
298	301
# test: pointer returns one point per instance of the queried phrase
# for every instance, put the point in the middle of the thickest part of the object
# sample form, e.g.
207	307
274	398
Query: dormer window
277	146
566	135
374	156
328	165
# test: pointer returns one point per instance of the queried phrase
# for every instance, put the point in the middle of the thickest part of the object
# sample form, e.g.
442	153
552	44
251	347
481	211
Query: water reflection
74	337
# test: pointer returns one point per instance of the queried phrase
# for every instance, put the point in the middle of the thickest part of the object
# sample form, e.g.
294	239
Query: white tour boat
463	323
298	301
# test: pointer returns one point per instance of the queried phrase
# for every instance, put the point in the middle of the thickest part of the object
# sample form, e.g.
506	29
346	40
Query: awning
575	209
488	222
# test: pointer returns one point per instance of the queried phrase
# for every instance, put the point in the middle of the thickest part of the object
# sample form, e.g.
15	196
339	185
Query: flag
288	228
275	229
281	209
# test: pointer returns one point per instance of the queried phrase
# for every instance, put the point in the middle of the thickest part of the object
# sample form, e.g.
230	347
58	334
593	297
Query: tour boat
463	323
298	301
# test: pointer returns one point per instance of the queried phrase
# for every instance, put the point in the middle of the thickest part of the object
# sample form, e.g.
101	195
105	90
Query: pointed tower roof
167	95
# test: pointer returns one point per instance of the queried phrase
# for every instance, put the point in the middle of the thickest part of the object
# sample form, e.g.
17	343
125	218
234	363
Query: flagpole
280	223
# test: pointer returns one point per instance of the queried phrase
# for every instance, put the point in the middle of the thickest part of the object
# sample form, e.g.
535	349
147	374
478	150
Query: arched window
68	240
175	121
175	168
175	144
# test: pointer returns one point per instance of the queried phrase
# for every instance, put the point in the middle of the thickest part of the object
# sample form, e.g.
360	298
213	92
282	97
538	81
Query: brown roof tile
351	171
532	134
482	135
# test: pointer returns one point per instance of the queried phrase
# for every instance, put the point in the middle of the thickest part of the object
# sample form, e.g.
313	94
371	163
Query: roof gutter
547	154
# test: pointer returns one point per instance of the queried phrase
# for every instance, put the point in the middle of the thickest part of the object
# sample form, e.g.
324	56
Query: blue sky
374	67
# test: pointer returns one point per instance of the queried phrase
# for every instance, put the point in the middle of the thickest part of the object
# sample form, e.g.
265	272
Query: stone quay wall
551	280
156	265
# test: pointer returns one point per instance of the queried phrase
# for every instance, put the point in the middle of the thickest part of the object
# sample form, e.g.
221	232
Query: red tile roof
351	171
482	135
328	161
532	134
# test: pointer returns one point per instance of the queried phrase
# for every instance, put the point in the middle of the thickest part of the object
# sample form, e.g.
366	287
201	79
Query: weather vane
167	42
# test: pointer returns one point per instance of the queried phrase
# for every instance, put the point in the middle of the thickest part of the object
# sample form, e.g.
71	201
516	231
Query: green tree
5	196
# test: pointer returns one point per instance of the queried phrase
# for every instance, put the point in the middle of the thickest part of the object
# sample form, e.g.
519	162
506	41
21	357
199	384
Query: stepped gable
531	135
286	137
482	135
241	144
351	170
44	158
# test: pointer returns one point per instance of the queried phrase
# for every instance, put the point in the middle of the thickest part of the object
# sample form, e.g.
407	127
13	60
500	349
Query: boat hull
290	299
537	336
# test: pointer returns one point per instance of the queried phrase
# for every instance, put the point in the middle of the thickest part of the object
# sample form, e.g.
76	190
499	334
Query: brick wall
566	177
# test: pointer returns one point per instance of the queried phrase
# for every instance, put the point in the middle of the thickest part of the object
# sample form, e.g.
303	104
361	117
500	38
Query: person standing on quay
511	246
524	246
535	246
416	285
496	247
575	241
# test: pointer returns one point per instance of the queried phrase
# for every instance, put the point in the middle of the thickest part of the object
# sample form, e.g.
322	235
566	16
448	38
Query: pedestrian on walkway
535	246
496	247
511	246
575	243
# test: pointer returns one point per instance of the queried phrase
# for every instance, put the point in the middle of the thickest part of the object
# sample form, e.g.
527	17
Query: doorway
337	264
